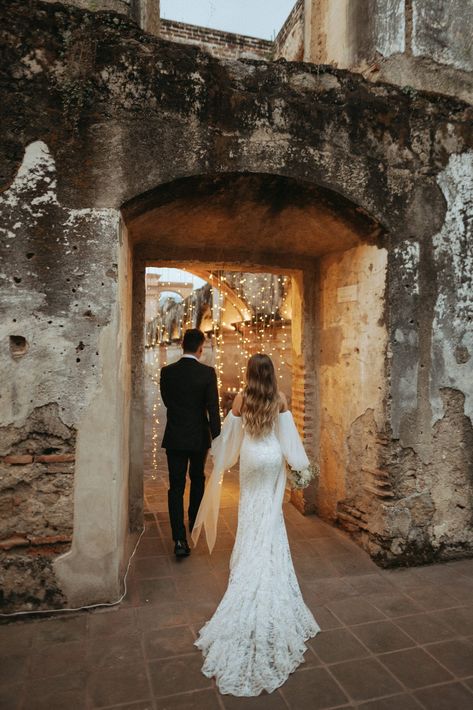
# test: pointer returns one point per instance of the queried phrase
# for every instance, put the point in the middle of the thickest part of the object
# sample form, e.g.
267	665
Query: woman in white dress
257	635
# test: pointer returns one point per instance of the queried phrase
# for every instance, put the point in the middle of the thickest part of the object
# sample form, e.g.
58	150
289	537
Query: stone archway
97	115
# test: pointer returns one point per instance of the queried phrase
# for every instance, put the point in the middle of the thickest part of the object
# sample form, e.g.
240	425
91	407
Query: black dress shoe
181	548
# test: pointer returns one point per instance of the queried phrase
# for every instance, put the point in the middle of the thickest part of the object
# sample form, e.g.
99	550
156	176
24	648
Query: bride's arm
236	406
290	441
283	403
226	446
225	451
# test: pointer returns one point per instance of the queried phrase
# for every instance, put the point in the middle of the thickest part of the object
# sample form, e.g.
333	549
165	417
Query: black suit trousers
178	463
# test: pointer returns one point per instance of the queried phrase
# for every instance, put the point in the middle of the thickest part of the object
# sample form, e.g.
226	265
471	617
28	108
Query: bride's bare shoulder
236	406
283	402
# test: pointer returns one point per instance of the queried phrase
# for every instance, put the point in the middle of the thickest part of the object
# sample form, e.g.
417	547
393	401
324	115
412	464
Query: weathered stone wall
289	42
416	44
121	6
36	486
59	295
269	165
353	343
144	12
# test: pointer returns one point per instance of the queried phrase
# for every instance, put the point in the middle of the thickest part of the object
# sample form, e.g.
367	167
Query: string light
260	325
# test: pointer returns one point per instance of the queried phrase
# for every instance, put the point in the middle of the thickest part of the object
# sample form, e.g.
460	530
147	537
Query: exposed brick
62	468
220	44
48	539
13	541
54	458
19	459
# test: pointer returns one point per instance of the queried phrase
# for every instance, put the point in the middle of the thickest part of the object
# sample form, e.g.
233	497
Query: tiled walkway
391	640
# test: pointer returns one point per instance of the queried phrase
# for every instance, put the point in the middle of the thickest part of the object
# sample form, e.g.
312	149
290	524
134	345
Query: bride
257	635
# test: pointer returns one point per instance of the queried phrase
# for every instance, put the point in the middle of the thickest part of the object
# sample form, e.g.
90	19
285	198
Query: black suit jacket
190	395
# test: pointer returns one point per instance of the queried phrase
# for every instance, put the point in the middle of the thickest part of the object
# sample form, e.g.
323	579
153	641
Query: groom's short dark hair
192	340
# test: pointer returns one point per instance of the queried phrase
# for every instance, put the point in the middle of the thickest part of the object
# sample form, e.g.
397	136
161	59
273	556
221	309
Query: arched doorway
335	257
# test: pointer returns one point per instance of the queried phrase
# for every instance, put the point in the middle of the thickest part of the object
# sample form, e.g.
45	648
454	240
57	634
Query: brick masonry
225	45
288	44
37	462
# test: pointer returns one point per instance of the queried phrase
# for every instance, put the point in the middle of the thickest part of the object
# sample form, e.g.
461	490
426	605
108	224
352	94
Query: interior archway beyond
335	251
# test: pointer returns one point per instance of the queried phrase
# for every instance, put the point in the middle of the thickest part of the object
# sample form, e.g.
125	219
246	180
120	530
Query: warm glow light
244	316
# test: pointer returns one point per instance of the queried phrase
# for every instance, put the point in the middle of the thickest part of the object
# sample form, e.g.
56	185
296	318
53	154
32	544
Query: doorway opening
240	313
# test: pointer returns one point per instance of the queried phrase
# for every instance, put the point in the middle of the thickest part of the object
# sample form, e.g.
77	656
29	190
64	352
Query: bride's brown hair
261	400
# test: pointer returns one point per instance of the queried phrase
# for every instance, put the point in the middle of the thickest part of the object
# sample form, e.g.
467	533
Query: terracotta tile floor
391	640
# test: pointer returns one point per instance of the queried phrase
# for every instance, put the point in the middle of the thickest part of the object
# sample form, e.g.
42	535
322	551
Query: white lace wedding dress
257	635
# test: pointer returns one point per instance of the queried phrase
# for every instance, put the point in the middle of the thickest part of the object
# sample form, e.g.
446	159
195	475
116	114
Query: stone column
146	14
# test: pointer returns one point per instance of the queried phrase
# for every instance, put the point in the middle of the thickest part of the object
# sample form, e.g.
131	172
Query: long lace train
257	635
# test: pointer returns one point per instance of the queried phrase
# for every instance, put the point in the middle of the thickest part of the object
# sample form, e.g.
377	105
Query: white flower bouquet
301	479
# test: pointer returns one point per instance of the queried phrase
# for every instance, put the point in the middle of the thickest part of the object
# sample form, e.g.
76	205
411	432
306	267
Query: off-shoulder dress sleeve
290	441
225	452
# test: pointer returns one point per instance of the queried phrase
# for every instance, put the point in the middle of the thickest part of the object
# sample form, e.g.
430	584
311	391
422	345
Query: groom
190	395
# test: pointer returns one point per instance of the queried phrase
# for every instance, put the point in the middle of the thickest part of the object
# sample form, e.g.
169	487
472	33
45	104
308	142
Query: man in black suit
190	395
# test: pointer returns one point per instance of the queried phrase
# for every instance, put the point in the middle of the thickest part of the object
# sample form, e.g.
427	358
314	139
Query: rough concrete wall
98	552
442	31
59	269
428	513
353	342
390	27
147	14
289	42
431	472
436	54
424	44
452	337
452	352
339	32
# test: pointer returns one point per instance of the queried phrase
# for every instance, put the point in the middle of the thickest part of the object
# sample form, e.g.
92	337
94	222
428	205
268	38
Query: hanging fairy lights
267	330
154	418
246	315
217	311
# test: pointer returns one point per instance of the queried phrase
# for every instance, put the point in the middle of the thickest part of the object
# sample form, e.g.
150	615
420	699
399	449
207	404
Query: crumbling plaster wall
146	112
416	44
431	472
62	290
289	42
353	343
